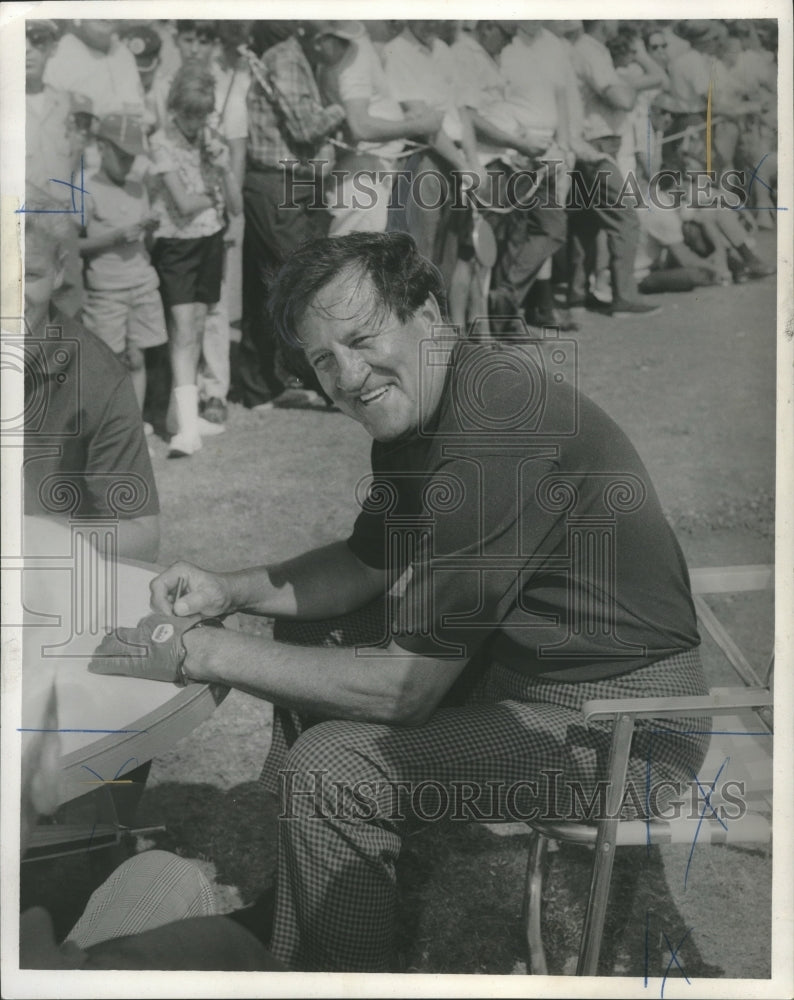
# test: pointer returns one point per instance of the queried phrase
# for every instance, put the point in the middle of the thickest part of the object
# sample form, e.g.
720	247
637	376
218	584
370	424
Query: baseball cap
145	44
348	30
596	128
123	131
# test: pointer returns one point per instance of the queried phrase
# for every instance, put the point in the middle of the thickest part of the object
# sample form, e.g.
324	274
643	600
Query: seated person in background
85	449
715	230
156	911
122	303
491	633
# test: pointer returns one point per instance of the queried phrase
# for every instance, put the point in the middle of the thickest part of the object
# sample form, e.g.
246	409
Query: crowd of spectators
205	151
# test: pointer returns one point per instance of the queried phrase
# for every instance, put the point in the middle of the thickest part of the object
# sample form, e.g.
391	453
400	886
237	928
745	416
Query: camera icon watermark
519	386
40	366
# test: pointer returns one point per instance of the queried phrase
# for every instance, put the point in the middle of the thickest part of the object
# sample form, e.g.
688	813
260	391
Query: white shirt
416	73
482	87
690	74
596	72
109	79
360	76
534	73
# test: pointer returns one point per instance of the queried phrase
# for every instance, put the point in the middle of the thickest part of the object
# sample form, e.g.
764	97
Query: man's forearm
318	584
387	685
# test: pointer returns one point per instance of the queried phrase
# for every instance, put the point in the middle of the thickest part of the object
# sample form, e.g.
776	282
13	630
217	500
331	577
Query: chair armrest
721	701
731	579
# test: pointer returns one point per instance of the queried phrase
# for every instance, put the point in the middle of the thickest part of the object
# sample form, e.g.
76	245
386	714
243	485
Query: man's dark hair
402	278
207	28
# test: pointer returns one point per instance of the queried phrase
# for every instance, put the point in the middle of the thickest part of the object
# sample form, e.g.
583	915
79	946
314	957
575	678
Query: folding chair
741	731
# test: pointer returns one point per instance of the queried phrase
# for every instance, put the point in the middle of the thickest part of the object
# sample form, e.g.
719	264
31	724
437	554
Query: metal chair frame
607	834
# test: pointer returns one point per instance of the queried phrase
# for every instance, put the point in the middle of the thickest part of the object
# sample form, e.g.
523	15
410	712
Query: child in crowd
122	304
194	187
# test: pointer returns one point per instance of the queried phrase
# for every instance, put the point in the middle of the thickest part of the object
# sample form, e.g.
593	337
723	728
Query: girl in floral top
193	189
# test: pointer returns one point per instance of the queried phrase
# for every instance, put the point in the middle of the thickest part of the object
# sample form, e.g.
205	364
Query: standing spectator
286	122
351	74
53	149
646	76
606	102
421	73
91	60
537	86
122	304
196	187
690	71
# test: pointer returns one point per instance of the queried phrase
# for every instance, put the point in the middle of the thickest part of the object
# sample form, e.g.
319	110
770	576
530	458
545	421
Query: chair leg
533	894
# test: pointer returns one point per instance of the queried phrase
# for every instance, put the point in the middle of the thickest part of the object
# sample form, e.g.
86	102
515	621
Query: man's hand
152	650
202	592
130	234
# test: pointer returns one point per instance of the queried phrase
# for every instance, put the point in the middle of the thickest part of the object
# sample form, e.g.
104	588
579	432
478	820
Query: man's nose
353	372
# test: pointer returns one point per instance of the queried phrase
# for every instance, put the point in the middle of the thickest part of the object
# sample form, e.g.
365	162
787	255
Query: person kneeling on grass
195	188
472	662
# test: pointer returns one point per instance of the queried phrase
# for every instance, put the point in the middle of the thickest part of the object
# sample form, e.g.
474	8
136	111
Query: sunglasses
39	39
659	45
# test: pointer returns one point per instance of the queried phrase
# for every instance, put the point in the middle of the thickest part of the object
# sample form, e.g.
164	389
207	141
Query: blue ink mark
647	931
106	781
74	188
127	761
674	958
753	178
706	805
90	839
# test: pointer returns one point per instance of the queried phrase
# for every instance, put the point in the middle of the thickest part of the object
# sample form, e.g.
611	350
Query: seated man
85	449
489	471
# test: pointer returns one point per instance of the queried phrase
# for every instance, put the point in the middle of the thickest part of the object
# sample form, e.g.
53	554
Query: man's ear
431	311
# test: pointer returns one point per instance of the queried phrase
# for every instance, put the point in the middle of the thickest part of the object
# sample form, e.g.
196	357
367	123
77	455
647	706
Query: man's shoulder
94	354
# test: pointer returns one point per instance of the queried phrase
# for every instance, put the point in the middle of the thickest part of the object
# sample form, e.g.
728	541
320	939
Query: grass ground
694	388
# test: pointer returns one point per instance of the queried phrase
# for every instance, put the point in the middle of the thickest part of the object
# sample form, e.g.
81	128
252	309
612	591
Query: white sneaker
182	445
207	429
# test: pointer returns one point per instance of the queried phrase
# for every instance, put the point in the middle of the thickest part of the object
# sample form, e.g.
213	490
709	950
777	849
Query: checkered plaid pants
513	745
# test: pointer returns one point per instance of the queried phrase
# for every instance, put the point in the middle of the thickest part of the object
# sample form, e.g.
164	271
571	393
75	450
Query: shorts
190	270
125	317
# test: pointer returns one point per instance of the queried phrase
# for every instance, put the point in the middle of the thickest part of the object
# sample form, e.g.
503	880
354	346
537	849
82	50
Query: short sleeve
163	161
354	82
118	448
597	70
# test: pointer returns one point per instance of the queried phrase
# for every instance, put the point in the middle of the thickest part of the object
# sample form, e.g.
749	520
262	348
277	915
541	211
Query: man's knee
328	769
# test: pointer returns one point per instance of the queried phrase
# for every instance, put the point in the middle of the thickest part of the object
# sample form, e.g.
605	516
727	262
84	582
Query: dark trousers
622	229
525	238
270	234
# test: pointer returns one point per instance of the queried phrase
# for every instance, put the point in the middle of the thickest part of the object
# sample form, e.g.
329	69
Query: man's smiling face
368	361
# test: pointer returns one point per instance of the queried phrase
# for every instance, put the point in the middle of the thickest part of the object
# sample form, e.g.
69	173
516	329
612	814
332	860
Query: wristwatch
183	679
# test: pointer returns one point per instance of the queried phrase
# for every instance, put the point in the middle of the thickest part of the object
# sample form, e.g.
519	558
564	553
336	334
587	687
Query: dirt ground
695	389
